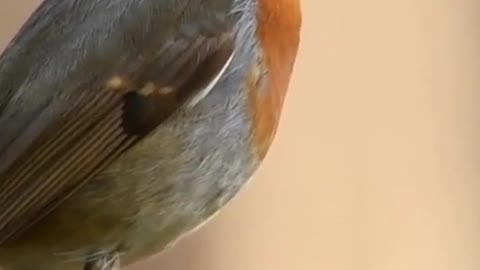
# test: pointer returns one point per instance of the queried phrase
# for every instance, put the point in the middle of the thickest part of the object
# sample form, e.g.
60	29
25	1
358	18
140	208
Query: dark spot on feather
141	114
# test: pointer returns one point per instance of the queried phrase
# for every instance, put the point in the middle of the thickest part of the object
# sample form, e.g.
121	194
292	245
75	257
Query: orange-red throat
278	33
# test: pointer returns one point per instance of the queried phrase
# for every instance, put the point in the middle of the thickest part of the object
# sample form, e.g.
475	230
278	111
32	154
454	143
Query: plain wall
376	162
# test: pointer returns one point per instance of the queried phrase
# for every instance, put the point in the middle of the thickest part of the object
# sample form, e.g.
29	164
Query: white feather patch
205	91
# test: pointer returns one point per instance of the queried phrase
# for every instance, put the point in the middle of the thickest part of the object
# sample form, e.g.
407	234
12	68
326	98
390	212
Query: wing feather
68	141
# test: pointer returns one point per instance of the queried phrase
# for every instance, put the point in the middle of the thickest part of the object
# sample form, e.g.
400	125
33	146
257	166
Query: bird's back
186	169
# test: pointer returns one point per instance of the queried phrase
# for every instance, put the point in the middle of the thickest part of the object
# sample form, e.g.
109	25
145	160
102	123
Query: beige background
376	162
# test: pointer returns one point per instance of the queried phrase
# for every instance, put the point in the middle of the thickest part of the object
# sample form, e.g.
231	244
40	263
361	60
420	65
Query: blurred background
376	163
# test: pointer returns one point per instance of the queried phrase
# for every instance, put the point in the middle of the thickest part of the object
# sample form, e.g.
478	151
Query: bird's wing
62	125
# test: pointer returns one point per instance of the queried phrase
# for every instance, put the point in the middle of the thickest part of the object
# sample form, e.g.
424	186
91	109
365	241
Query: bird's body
177	165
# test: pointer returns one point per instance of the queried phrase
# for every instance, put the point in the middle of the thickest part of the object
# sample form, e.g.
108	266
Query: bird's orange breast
278	34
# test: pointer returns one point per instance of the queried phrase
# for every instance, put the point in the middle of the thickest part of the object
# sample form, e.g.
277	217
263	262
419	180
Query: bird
125	125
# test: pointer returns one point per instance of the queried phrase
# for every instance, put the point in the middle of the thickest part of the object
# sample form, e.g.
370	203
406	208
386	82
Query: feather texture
62	144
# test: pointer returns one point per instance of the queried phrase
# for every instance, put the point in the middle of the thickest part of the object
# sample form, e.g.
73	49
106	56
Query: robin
124	125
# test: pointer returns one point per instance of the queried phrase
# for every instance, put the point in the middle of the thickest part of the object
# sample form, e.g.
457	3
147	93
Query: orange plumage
278	33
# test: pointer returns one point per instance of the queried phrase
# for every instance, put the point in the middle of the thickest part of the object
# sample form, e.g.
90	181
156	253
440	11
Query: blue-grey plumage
127	124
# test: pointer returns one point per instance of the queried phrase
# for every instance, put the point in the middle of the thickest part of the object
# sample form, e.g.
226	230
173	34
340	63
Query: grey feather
175	179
